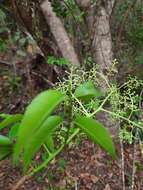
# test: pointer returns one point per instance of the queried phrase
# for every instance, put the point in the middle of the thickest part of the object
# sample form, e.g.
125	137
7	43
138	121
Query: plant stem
134	160
104	78
102	104
122	163
121	117
133	167
69	113
85	111
44	164
47	150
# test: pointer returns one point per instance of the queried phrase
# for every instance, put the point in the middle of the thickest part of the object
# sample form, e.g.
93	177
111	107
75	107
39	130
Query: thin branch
122	164
43	78
122	117
134	160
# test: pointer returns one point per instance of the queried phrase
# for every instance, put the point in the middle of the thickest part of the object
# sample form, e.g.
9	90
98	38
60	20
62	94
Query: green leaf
97	133
51	60
35	115
39	138
13	131
87	91
49	143
5	141
5	151
63	61
10	119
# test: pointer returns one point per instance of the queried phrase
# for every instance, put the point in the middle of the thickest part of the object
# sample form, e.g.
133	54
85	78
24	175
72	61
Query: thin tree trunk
59	33
102	42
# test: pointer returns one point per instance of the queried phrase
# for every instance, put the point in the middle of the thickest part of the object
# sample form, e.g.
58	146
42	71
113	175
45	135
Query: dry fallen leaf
94	178
107	187
87	176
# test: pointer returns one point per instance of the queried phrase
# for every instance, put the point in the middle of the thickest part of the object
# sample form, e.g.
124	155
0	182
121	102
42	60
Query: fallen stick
20	182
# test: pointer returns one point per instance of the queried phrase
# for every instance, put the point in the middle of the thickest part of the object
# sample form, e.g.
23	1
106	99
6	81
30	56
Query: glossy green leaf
5	151
87	91
39	138
5	141
97	133
36	113
9	119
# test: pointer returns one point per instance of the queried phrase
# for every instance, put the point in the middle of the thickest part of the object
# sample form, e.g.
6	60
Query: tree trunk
59	33
102	42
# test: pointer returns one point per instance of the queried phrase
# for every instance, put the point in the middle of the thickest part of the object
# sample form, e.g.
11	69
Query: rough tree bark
98	24
59	33
102	41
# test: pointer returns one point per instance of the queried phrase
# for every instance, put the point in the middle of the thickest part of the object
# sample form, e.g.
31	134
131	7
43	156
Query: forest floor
83	165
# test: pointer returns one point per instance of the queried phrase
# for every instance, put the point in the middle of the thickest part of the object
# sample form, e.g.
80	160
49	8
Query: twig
121	117
102	104
140	100
5	63
20	182
134	160
122	159
76	185
78	101
43	78
122	164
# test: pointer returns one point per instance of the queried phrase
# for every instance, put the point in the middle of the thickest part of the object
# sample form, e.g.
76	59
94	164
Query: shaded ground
83	166
86	167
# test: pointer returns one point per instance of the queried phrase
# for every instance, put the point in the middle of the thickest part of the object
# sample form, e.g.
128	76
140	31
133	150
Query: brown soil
86	167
